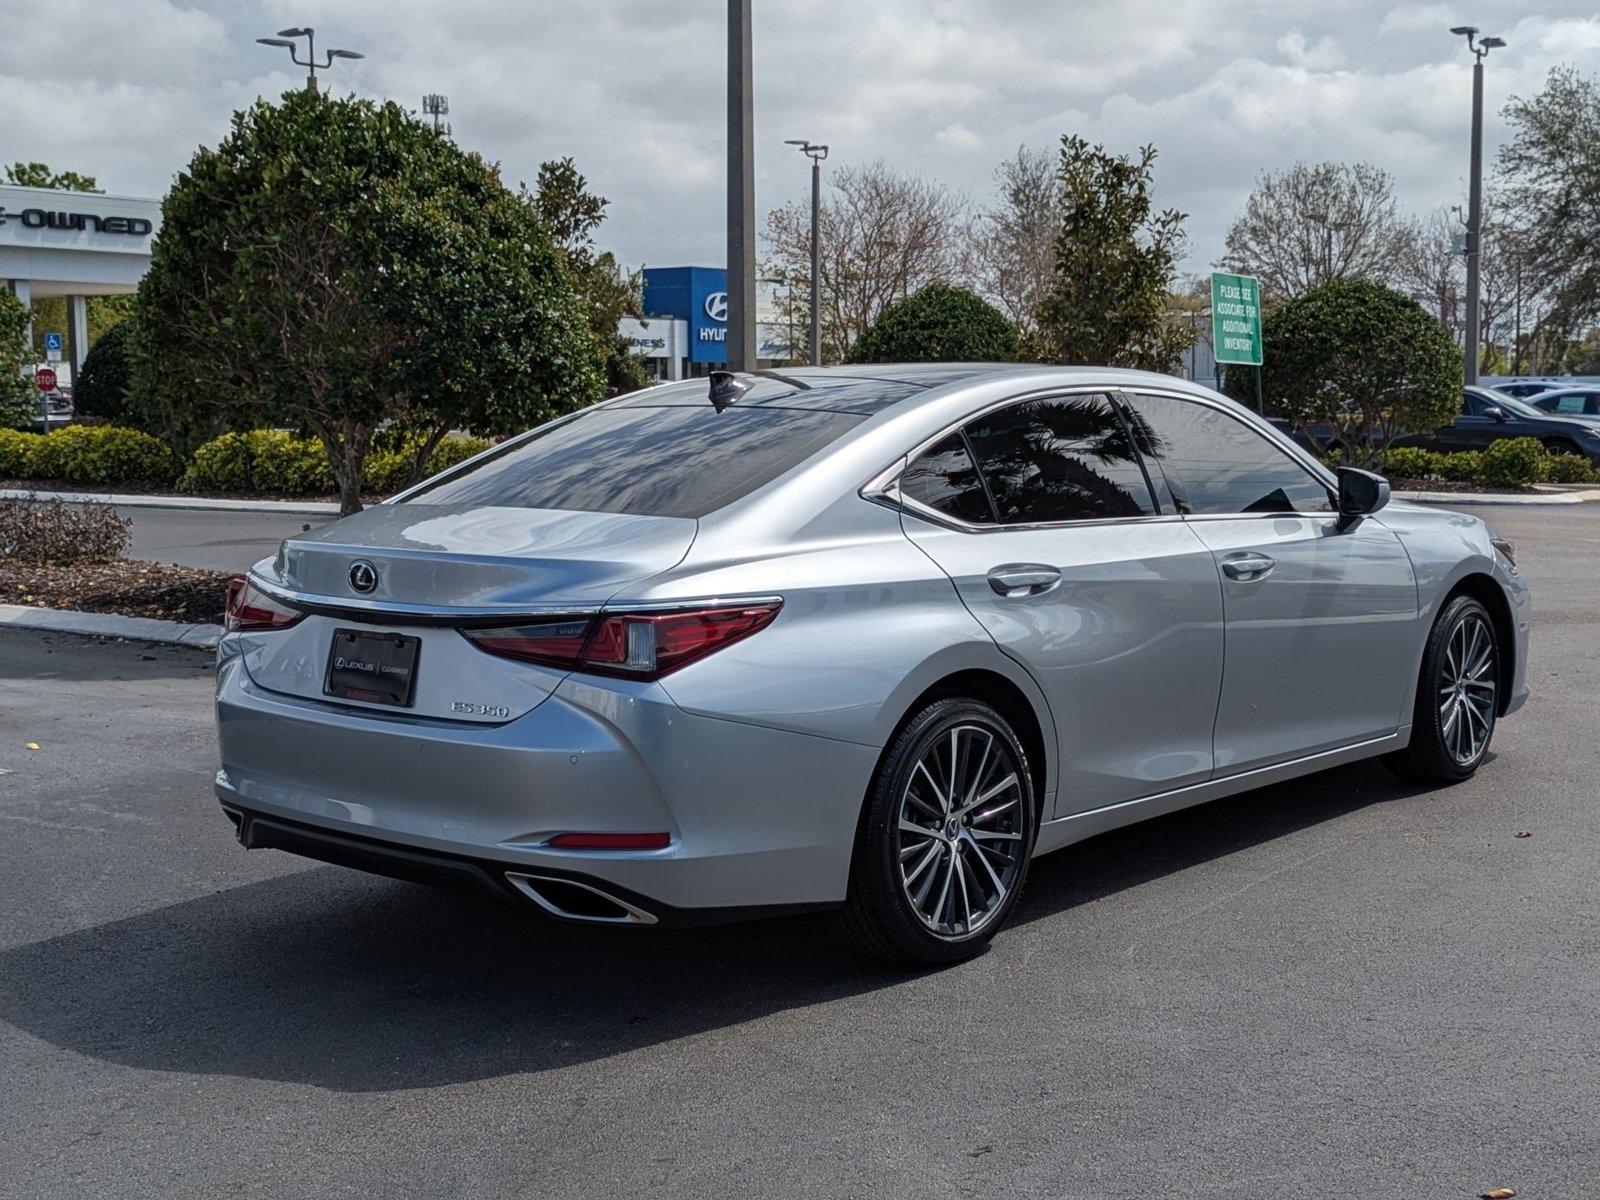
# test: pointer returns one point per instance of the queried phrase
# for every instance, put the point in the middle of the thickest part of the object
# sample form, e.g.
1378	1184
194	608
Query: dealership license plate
380	668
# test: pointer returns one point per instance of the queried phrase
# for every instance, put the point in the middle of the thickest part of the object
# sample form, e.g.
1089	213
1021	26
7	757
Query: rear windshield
658	462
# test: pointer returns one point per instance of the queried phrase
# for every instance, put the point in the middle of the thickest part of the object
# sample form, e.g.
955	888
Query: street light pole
310	62
1479	49
816	153
740	347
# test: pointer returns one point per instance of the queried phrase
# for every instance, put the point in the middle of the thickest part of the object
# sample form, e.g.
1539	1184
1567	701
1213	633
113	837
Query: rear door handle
1246	567
1013	580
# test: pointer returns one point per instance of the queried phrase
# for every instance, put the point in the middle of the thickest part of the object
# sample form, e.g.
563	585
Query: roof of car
868	388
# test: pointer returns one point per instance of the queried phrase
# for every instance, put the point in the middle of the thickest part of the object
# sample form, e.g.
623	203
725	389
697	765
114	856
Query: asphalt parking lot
1336	987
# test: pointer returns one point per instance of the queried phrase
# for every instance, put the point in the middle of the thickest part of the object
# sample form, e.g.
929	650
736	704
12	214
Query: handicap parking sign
52	341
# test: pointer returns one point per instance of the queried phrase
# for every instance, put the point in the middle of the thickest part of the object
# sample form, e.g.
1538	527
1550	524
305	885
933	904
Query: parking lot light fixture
1480	47
286	39
816	153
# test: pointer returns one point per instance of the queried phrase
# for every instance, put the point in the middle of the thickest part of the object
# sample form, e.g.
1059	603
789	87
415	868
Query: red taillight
610	841
643	645
250	608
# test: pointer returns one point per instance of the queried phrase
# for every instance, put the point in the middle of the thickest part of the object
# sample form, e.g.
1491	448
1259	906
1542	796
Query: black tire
1561	446
880	912
1435	753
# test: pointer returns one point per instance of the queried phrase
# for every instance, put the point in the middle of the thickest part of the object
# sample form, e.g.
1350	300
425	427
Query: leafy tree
18	399
940	323
101	389
336	264
1361	358
1116	260
571	213
39	175
1550	170
1316	222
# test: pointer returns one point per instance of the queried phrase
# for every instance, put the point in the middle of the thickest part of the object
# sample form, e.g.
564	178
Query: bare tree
1012	249
884	236
1313	223
1429	266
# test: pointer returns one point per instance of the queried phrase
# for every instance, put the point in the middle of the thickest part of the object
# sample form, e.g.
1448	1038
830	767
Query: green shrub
100	454
1511	462
102	385
939	323
1411	462
1556	468
1461	468
38	533
270	461
16	453
389	470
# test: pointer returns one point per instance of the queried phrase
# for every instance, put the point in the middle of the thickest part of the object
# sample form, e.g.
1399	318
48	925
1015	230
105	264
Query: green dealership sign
1236	319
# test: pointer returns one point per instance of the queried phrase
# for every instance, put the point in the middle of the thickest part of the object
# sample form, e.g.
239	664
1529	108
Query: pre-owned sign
39	218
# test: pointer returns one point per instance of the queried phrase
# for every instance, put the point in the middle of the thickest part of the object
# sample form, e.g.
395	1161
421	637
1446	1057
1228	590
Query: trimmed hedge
86	454
1511	462
275	462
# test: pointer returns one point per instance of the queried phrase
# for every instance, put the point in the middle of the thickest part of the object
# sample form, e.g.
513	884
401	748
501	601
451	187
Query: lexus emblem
363	576
717	306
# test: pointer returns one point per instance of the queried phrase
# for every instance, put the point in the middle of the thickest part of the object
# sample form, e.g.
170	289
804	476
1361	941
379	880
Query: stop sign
45	378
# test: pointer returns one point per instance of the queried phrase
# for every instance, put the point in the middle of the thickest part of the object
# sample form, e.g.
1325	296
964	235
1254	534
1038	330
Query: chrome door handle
1013	580
1248	566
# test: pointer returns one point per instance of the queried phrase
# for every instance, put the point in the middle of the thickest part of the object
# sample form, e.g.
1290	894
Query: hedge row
1510	462
263	460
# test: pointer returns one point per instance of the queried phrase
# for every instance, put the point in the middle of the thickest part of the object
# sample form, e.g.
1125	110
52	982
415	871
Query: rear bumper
759	818
483	877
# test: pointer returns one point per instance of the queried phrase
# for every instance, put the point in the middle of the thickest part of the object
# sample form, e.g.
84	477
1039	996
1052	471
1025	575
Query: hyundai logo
363	576
717	306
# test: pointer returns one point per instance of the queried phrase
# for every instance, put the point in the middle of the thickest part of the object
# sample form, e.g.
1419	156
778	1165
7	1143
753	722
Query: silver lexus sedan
866	639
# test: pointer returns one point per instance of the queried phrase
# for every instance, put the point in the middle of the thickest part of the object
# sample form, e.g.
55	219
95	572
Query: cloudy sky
126	89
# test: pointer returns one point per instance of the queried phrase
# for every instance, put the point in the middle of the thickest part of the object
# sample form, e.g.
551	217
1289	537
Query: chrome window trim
883	488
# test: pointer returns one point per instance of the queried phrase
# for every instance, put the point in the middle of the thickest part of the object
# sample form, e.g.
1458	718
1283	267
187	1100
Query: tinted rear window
659	462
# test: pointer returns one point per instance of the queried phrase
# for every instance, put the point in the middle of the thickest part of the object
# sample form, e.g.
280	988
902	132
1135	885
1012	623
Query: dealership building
76	245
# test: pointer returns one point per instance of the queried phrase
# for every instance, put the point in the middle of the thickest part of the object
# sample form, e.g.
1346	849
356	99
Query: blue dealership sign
698	295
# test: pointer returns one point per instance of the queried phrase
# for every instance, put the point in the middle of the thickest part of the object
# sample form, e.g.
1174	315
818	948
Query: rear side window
659	462
1068	458
1219	463
944	479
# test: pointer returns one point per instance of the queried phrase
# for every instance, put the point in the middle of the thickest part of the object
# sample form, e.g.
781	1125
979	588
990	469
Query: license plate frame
372	667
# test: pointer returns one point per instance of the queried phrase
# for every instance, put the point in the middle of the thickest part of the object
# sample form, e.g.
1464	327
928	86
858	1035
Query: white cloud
635	91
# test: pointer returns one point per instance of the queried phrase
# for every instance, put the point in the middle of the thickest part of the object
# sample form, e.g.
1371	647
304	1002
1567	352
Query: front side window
1219	463
944	478
663	462
1066	458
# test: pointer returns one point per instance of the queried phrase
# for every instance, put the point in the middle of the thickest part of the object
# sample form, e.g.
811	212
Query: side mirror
1495	413
1360	493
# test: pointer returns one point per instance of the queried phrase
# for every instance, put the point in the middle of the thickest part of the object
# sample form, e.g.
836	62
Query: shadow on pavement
343	981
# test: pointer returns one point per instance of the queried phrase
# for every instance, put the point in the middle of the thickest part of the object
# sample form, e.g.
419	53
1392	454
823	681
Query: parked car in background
1489	415
57	412
1577	402
1522	389
863	638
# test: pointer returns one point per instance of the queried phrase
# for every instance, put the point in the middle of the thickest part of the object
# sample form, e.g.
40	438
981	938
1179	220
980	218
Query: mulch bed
127	586
1446	485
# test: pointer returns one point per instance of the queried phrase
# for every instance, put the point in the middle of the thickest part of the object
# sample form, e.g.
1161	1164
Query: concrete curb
317	508
138	629
1460	499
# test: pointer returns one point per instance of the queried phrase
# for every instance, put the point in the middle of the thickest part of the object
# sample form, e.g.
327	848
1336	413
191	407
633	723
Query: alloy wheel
959	834
1467	689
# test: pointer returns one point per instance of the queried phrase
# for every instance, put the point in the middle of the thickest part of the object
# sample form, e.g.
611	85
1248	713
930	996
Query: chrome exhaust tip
574	900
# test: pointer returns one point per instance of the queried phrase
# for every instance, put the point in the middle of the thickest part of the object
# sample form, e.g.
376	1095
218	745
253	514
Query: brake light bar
249	608
631	645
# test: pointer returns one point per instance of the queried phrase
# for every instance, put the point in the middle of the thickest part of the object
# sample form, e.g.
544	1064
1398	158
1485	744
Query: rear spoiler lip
485	616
